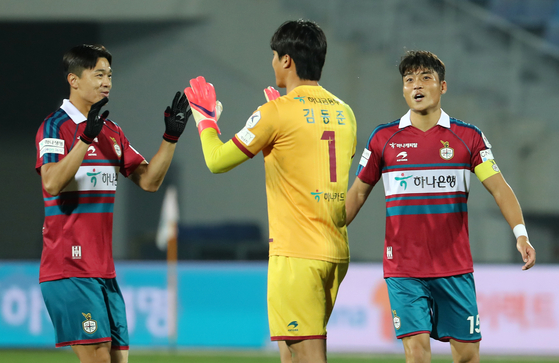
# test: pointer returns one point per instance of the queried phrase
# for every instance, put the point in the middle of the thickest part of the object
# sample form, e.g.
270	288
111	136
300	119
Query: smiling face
423	90
93	84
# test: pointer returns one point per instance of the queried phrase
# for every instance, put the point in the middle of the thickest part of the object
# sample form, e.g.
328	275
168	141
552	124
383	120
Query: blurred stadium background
502	59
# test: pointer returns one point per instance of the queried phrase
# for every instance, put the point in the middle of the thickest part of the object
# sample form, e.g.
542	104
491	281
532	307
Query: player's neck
425	120
82	105
296	82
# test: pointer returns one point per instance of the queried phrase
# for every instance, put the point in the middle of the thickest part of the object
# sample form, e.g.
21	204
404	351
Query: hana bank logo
402	179
94	177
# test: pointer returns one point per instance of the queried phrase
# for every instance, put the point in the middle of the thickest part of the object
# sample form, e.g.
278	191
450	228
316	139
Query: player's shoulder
56	118
113	126
54	123
460	126
387	129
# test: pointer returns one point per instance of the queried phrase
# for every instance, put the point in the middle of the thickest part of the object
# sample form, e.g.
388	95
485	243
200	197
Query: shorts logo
89	325
446	152
295	324
396	319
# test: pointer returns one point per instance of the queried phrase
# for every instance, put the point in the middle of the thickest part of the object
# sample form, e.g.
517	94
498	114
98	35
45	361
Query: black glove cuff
86	139
170	138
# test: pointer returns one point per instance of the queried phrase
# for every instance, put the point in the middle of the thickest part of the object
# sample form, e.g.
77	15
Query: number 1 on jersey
331	137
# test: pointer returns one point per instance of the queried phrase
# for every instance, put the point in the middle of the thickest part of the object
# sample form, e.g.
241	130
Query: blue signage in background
219	305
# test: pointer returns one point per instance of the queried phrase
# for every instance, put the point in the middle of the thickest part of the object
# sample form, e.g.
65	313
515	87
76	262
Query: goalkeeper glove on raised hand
271	93
176	117
205	109
95	122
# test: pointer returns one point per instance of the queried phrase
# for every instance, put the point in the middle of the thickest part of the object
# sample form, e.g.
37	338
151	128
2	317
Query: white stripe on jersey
426	181
94	177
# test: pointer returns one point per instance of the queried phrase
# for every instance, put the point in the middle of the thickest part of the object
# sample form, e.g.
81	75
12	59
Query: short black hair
415	60
305	43
82	57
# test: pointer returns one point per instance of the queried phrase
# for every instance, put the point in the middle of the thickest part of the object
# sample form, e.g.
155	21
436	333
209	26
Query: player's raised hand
271	93
95	122
527	251
203	103
176	117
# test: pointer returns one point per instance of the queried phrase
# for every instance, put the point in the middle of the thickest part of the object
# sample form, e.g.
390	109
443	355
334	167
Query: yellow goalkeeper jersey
308	138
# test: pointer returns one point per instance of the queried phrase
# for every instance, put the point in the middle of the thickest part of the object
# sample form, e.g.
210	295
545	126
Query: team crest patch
89	325
117	148
396	320
446	152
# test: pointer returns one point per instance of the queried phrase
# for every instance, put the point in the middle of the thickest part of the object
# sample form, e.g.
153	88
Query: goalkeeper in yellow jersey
308	138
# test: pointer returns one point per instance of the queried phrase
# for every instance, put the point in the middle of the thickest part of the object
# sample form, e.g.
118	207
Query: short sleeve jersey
426	178
77	230
308	139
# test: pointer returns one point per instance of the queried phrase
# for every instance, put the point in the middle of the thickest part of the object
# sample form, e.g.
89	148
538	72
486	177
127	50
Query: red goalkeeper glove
205	108
271	93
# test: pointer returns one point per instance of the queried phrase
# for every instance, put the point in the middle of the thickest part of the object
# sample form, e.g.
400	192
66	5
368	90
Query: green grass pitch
139	356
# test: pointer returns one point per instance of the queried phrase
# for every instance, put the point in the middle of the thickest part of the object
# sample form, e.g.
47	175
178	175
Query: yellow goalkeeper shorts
301	296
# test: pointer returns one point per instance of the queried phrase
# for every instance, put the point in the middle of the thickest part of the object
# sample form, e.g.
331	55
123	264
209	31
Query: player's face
279	71
96	83
423	91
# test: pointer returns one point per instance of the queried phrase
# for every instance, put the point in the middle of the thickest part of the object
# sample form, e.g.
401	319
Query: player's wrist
170	138
87	139
520	230
208	123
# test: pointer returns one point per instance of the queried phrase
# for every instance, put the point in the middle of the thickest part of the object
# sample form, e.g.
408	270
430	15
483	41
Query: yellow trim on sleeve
220	157
486	169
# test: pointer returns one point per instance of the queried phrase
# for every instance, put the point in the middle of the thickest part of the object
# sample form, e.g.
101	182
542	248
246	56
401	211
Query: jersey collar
73	112
444	120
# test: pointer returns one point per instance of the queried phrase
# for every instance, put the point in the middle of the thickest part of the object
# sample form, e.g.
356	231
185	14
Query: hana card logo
317	195
294	324
402	180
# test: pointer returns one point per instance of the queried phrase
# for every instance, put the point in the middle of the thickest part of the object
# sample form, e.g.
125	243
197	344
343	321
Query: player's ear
72	80
443	87
286	61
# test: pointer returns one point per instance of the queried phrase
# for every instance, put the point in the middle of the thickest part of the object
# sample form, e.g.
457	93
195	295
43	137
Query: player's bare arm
150	176
56	176
510	208
356	197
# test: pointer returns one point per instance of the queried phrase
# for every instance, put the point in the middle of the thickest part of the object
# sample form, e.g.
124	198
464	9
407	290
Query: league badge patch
117	148
396	320
89	325
446	152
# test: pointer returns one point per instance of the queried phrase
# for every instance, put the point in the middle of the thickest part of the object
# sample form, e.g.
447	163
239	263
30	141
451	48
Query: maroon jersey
77	231
426	178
